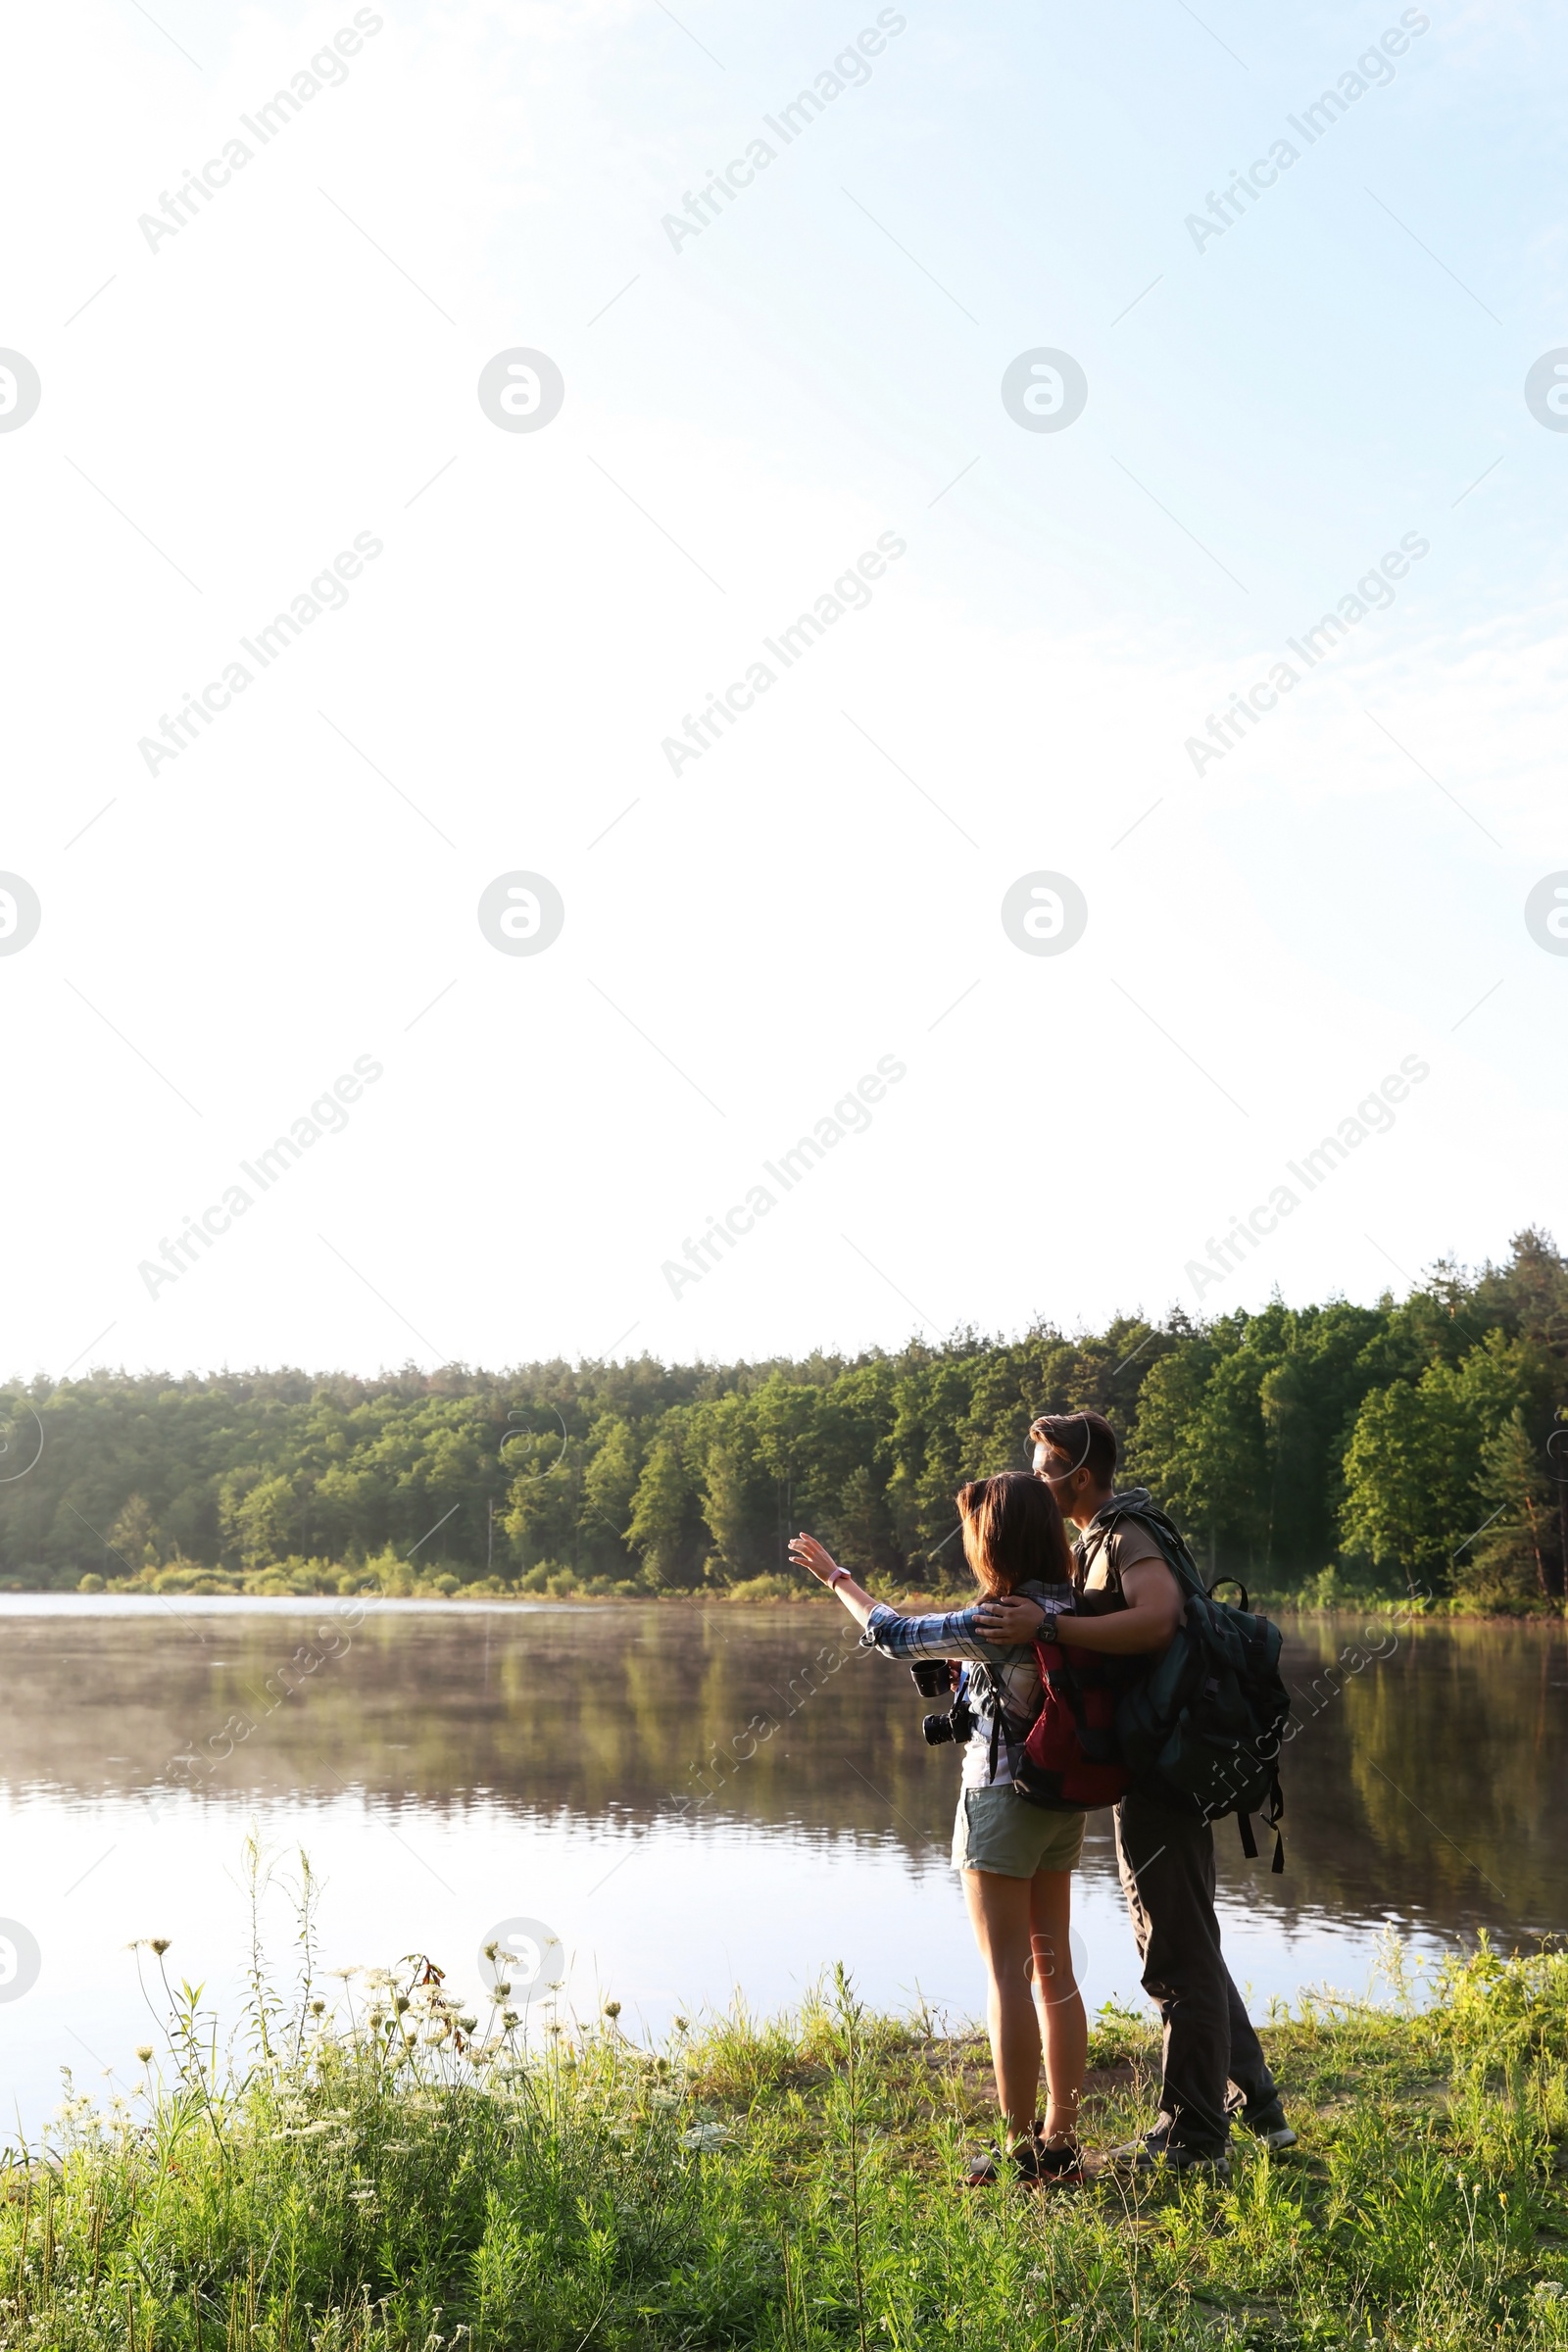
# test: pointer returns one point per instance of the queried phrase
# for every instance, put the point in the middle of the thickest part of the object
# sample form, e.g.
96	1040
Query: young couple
1018	1859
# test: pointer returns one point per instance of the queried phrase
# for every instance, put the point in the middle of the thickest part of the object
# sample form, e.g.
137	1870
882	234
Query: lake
690	1800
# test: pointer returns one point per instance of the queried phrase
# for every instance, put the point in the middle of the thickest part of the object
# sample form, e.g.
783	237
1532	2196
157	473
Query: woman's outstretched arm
944	1633
807	1554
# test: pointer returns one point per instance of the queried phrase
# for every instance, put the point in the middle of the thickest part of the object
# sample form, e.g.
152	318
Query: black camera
931	1677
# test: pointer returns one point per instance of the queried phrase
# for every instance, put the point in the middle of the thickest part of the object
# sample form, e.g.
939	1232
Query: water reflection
695	1801
1431	1785
1424	1787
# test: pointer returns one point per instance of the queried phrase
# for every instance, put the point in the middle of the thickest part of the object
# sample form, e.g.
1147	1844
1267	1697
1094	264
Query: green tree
1200	1444
262	1518
1274	1436
1505	1567
736	1495
542	1511
1415	1480
133	1536
1407	1476
664	1510
609	1483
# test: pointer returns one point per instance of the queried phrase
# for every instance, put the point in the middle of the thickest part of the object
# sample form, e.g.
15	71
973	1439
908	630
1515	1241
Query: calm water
451	1768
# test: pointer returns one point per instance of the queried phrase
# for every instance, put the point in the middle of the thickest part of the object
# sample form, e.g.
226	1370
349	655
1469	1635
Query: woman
1017	1859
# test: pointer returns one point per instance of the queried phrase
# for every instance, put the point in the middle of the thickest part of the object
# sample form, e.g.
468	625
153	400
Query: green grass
329	2184
388	1577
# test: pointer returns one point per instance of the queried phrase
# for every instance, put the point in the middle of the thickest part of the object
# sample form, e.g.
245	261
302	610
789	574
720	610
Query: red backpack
1071	1760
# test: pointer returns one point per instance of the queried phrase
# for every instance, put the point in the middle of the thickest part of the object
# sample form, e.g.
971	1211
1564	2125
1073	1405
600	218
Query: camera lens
931	1677
937	1729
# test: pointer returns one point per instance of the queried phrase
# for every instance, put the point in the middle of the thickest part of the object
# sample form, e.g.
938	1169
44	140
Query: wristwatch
1047	1623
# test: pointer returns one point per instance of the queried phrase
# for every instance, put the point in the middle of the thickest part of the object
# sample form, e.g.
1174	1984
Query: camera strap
996	1700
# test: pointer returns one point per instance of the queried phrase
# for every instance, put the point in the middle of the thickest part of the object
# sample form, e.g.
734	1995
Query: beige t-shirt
1103	1559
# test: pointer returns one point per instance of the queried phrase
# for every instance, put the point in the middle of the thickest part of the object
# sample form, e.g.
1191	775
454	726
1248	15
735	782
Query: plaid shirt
956	1634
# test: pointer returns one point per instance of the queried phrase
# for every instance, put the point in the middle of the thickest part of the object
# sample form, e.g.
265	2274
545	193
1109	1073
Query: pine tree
1505	1565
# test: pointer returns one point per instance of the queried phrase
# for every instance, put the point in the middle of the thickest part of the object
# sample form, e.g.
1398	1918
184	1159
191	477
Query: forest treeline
1410	1445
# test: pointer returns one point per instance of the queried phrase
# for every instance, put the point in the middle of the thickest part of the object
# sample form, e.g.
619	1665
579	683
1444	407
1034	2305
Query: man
1131	1604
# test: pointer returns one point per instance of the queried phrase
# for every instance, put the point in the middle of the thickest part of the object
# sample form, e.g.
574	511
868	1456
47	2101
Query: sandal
1062	2163
1031	2160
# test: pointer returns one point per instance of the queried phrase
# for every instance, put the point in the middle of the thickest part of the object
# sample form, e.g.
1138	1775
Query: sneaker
1139	2158
1268	2125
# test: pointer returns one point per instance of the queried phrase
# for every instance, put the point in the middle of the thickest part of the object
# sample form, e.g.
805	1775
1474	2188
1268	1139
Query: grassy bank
390	1578
390	2169
394	1579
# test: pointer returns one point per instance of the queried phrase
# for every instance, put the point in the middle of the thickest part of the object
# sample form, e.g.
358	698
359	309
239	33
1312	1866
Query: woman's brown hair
1013	1532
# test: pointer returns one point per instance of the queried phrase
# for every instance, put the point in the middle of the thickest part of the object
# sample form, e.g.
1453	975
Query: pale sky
1316	408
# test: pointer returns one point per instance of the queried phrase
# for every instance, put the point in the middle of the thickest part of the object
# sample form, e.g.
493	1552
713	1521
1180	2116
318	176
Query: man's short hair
1086	1438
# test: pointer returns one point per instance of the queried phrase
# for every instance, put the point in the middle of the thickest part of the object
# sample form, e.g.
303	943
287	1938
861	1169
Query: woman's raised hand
807	1554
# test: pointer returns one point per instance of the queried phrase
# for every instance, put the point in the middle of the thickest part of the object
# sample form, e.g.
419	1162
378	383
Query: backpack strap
984	1682
1084	1553
1063	1678
1002	1717
996	1695
1166	1533
1274	1815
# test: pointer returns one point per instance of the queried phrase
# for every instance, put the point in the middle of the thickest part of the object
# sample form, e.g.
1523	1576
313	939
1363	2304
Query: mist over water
695	1800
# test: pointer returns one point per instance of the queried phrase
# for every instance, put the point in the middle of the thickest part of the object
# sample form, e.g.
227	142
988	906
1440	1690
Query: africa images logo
521	912
1045	390
521	390
1546	390
21	390
849	70
1373	70
1044	913
326	70
1545	914
20	914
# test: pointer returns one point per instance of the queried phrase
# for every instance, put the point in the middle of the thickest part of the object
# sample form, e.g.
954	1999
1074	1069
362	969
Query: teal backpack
1207	1721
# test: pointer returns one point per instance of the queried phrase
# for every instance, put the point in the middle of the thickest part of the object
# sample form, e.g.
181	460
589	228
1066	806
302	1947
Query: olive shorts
998	1830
